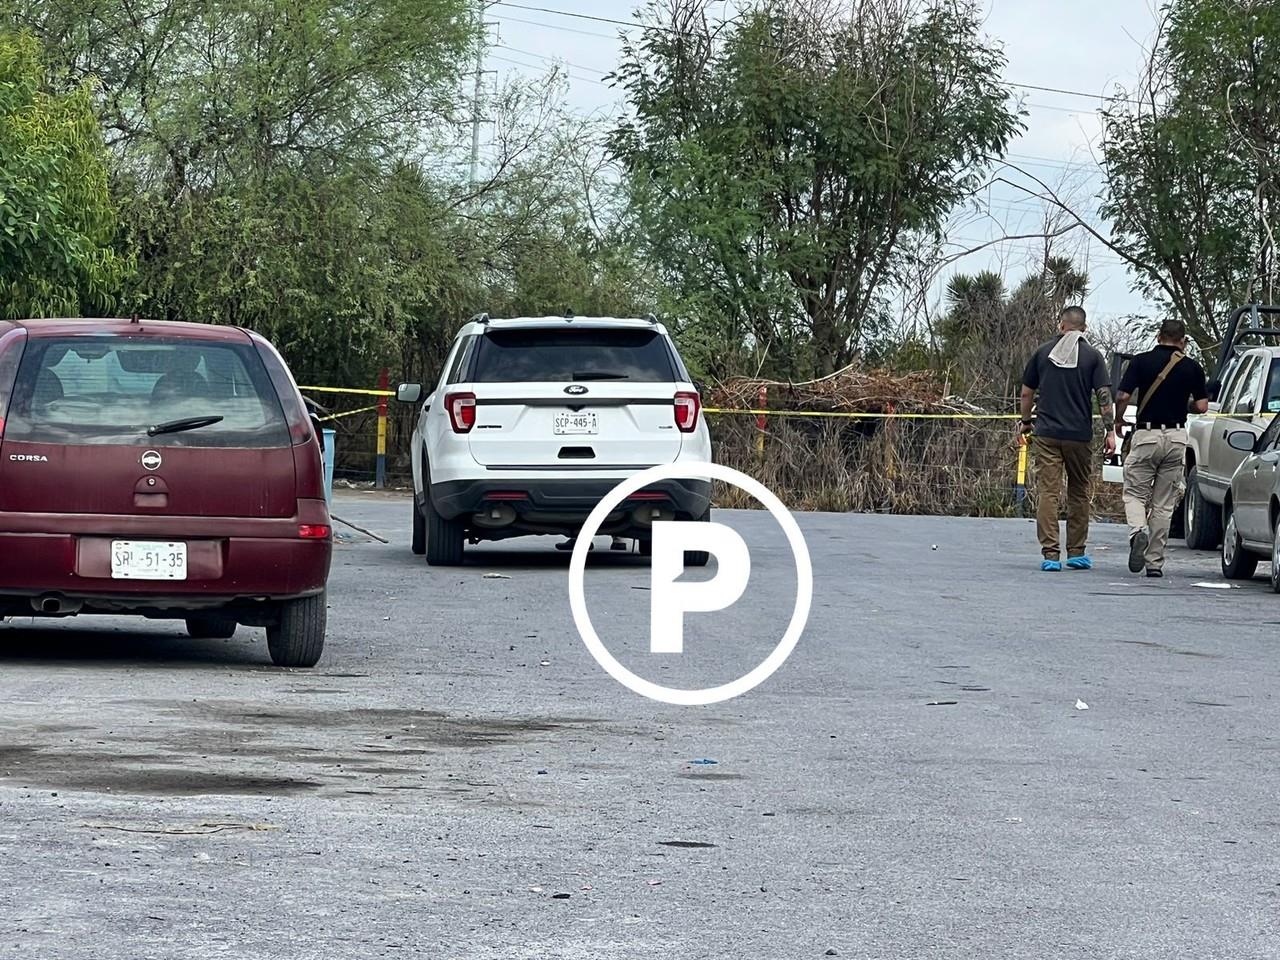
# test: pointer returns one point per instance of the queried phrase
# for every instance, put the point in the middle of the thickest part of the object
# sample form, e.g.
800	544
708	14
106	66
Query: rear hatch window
112	390
557	355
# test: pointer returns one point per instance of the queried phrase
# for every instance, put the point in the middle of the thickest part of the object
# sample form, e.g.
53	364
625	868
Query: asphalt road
459	779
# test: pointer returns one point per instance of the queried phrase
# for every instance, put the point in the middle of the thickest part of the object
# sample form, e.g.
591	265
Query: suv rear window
99	390
563	355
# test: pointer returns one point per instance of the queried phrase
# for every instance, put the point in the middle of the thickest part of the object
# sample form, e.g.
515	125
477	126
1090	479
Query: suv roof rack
1254	328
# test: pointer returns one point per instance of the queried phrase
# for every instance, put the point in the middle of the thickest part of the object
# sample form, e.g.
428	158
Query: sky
1081	45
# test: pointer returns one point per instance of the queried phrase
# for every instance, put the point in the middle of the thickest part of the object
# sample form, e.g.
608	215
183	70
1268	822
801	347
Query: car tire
211	627
1237	562
646	548
296	639
1275	557
445	537
1201	523
419	543
698	558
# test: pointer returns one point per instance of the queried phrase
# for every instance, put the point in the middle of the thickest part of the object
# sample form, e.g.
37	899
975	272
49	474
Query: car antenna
568	315
652	318
134	319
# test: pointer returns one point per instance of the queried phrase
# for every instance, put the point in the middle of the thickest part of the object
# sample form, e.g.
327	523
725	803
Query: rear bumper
567	500
236	566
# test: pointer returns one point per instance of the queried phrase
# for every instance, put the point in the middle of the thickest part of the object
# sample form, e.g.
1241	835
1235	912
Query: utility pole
479	89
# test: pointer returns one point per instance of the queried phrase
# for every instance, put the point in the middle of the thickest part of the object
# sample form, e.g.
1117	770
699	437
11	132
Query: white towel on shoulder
1066	353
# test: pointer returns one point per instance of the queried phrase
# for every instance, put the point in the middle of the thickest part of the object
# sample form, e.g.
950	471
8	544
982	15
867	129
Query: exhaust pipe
56	606
647	516
495	515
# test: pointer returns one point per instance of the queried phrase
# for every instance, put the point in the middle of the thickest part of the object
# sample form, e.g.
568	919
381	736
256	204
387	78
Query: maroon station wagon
168	470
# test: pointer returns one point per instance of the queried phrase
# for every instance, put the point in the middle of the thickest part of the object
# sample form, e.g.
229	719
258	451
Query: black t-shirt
1064	409
1168	405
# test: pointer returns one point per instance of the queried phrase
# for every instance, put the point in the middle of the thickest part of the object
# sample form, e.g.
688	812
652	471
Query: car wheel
1275	558
646	548
211	627
445	537
1201	522
297	638
419	543
698	558
1237	562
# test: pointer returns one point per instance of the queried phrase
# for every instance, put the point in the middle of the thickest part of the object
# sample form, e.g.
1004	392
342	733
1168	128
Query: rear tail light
507	495
647	495
687	406
314	531
462	411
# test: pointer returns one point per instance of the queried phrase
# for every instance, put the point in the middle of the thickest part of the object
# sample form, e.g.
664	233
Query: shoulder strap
1155	384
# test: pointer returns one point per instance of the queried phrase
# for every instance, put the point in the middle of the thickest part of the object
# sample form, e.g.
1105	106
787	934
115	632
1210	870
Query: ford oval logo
151	460
575	389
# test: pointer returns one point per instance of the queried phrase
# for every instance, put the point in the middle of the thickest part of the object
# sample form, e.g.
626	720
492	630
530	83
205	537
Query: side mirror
1213	388
1242	440
409	392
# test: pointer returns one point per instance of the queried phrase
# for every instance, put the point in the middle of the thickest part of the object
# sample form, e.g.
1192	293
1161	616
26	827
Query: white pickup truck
1245	395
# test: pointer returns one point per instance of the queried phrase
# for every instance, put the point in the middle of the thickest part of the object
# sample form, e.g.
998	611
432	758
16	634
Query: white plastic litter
1081	705
1214	585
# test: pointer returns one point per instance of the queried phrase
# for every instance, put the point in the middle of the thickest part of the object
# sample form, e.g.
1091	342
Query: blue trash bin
328	437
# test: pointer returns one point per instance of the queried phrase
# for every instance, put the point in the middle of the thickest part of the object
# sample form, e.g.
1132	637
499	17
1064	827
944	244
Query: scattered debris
703	762
1215	585
934	547
655	883
367	533
496	576
561	896
1081	705
942	703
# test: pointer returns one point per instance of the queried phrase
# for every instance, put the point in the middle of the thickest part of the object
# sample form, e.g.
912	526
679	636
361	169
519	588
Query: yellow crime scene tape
361	393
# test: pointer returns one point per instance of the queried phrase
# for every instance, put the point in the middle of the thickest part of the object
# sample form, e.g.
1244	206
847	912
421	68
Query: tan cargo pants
1153	485
1054	458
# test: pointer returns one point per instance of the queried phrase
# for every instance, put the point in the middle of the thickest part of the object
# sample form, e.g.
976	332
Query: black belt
1159	426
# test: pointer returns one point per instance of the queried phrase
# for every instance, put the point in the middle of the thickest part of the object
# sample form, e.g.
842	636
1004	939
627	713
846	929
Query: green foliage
780	163
57	221
1192	169
988	332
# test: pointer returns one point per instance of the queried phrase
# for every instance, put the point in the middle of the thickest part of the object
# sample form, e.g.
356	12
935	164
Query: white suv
535	419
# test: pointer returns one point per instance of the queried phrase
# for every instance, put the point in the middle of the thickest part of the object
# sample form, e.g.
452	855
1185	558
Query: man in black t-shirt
1062	379
1169	386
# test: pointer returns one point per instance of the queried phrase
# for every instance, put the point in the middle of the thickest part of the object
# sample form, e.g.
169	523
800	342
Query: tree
269	161
988	333
1192	161
781	160
57	221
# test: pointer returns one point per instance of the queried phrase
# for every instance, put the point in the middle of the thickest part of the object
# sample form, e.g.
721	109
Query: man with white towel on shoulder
1061	379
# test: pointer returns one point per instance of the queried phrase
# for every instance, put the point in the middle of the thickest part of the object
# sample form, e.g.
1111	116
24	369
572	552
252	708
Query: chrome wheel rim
1275	555
1229	541
1191	509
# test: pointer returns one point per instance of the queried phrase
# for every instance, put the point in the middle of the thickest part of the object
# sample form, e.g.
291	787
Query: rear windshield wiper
599	375
187	423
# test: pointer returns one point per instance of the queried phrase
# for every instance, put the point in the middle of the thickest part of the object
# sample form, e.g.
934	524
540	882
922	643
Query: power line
552	26
632	25
533	66
543	56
